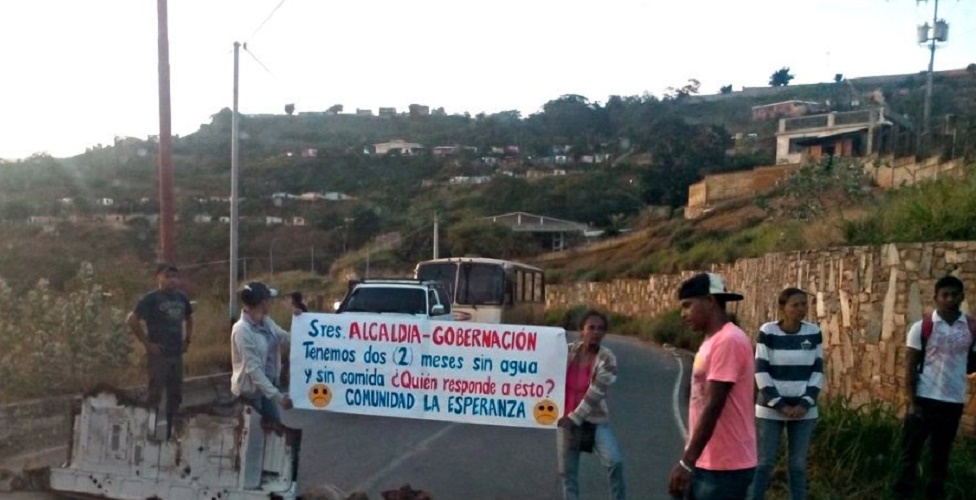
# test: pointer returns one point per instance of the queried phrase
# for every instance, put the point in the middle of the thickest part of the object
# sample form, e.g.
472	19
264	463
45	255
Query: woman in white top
789	375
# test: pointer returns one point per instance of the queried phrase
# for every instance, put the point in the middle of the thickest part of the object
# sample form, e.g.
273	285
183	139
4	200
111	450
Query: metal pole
927	111
166	217
436	237
234	174
271	256
312	258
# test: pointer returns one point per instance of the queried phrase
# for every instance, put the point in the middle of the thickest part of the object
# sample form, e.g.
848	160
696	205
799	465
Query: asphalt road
462	461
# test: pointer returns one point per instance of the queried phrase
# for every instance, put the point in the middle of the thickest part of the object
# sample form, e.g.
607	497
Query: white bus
489	290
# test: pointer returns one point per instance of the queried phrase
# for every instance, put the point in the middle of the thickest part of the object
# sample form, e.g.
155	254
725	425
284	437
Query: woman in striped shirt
789	374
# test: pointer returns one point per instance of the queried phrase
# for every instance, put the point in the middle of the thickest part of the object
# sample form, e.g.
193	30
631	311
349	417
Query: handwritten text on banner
437	370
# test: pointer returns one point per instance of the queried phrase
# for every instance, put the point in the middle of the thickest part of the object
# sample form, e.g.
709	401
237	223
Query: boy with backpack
940	355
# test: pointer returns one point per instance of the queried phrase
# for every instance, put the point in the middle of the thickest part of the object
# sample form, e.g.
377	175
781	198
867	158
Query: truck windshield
388	300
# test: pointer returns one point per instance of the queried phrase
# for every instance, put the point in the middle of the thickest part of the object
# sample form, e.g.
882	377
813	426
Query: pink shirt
577	383
726	356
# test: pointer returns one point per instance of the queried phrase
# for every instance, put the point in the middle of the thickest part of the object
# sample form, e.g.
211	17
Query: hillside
599	164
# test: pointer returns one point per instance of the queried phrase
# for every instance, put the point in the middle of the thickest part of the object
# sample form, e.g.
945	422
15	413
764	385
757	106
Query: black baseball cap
705	284
256	292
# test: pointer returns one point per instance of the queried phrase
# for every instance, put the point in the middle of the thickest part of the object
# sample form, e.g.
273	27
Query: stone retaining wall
864	298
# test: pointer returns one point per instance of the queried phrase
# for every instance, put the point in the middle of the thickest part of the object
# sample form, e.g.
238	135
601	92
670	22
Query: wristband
685	466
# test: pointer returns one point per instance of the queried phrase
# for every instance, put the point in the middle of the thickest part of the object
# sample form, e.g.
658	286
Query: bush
668	328
941	210
566	318
854	453
58	343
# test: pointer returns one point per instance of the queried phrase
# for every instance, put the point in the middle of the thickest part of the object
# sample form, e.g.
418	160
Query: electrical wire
255	32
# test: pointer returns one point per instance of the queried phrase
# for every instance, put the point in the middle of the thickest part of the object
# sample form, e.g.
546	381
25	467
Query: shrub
668	328
854	453
566	318
62	342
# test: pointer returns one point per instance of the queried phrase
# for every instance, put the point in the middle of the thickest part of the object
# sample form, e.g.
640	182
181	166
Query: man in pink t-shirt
720	457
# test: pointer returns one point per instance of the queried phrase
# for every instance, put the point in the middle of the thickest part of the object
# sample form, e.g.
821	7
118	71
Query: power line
282	2
258	60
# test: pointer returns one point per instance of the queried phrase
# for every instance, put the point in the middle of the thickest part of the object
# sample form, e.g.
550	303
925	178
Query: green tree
680	154
726	89
485	239
780	77
290	109
335	109
678	93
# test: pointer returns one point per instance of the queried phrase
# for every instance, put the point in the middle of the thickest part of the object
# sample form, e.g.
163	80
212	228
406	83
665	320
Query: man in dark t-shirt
165	311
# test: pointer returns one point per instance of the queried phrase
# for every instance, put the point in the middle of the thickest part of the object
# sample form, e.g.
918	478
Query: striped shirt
593	407
789	369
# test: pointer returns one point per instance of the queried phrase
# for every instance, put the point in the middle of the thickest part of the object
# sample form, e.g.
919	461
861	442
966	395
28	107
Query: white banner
478	373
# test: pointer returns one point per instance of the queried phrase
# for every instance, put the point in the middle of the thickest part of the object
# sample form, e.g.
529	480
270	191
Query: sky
75	74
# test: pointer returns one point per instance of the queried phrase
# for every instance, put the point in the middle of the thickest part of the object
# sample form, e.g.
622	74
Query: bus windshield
480	284
443	272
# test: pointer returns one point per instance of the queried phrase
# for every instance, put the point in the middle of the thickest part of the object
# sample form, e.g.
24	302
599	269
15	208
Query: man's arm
188	331
135	326
912	359
716	394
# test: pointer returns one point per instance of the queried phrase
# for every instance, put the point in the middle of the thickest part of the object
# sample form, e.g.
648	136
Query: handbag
582	437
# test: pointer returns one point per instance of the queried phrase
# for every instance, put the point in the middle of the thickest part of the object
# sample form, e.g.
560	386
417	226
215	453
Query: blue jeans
605	447
798	433
265	407
721	484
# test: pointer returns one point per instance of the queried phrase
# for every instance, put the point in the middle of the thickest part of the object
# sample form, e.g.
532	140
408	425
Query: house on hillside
397	146
557	233
442	151
387	112
364	112
787	109
853	133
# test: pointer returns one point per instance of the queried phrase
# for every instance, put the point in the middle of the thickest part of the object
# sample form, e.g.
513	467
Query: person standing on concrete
585	427
939	348
256	342
168	317
719	460
789	375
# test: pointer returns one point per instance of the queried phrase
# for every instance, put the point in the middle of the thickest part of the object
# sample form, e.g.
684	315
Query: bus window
519	285
527	296
539	290
480	284
443	272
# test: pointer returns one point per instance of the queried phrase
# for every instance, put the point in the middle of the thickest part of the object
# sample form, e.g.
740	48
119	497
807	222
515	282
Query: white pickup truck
418	298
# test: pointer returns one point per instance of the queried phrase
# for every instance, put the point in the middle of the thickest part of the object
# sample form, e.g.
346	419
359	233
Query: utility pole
436	237
234	174
940	33
167	251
